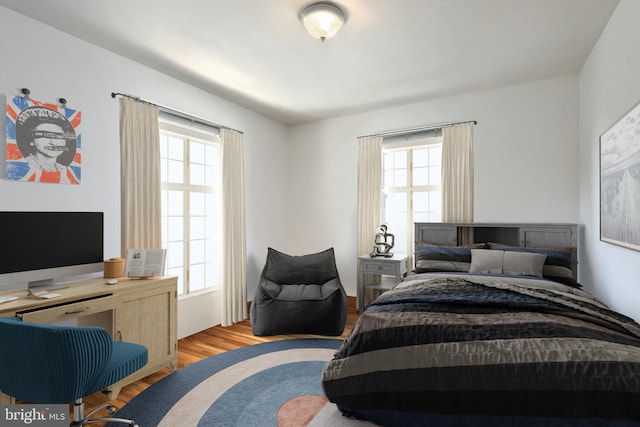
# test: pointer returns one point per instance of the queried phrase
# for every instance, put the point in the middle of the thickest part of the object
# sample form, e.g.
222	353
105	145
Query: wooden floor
204	344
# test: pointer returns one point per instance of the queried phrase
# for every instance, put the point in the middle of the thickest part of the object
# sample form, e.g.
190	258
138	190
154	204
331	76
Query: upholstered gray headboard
545	235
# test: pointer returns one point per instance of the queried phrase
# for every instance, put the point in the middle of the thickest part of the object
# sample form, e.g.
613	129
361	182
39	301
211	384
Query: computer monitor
40	248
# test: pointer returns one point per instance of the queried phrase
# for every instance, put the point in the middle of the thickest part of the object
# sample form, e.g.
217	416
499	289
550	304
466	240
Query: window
411	189
190	173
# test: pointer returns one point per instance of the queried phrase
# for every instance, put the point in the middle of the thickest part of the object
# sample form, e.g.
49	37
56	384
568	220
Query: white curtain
234	258
369	191
457	173
369	198
139	176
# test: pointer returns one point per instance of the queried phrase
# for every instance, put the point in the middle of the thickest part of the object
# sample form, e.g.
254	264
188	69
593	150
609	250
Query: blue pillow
436	258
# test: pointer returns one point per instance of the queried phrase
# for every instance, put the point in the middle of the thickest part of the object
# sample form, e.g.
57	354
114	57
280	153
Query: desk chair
52	364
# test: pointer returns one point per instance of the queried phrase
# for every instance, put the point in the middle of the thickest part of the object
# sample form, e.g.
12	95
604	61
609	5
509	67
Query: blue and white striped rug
272	384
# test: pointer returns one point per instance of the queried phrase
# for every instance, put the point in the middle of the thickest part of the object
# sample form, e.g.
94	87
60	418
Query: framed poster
620	181
43	142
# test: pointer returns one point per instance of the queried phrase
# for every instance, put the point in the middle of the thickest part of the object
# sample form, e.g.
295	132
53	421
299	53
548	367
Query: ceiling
256	53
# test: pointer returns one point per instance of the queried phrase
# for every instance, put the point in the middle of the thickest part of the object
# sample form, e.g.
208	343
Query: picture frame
620	181
43	142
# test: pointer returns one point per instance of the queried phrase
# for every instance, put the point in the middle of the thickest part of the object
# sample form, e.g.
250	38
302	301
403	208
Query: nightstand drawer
380	268
389	272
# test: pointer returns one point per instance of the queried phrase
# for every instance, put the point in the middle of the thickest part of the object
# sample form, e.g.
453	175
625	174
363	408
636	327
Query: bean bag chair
299	295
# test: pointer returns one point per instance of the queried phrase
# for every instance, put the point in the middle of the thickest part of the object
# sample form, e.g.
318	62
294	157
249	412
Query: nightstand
390	271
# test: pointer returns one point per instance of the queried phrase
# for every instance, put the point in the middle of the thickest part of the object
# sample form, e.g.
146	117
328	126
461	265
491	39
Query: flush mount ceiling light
322	19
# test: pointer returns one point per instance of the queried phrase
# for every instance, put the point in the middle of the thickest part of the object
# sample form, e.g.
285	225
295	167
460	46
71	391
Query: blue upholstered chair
51	364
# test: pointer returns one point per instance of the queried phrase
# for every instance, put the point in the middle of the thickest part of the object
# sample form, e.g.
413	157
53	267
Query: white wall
609	87
53	64
526	162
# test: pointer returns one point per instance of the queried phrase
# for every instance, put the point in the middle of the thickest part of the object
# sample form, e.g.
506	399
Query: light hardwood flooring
204	344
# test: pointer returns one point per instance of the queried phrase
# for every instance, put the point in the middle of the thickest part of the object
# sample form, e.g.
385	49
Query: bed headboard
550	235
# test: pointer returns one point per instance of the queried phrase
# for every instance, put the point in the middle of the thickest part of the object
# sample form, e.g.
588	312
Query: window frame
189	135
408	145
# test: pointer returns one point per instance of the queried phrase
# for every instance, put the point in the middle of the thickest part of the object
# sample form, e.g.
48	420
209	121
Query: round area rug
271	384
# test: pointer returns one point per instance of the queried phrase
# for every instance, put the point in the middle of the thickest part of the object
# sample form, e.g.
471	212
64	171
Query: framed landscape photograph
620	181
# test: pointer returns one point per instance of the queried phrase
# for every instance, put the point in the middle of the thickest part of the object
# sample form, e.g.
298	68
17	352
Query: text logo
34	415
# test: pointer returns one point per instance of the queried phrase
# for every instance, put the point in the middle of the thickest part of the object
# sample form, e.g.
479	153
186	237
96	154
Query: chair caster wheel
111	410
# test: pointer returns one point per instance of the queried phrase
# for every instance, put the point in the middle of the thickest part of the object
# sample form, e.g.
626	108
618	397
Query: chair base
79	419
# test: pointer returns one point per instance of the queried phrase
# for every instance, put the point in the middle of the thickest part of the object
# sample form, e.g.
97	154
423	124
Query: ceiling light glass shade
322	20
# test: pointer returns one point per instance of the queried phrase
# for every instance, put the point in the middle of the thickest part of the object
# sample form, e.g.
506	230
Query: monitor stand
45	285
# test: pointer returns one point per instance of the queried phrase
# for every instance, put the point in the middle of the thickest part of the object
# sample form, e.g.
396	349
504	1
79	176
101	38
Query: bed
493	329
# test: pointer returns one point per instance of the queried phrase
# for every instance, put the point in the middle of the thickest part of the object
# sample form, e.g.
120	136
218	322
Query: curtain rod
410	131
175	112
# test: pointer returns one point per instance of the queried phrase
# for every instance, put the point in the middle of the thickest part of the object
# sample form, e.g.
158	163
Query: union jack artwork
43	142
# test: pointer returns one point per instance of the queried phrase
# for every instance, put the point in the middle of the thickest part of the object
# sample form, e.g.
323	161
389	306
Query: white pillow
523	263
486	261
507	262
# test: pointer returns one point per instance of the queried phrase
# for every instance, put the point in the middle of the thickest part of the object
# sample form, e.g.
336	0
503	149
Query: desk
142	311
395	267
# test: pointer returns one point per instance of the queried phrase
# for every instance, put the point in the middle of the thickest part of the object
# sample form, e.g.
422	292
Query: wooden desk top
77	290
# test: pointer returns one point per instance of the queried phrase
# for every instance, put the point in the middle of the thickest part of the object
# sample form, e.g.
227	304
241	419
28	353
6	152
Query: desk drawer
380	268
69	311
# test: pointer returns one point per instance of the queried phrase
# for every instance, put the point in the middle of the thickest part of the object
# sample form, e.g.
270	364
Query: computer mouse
112	281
